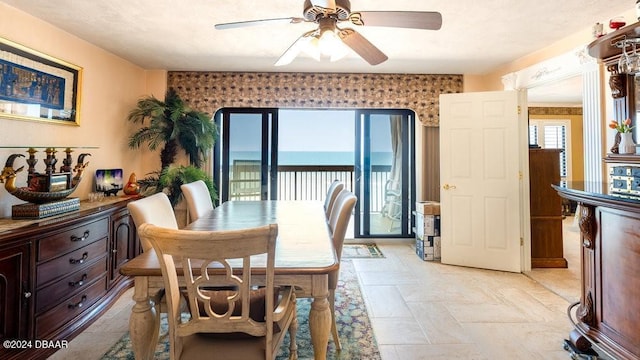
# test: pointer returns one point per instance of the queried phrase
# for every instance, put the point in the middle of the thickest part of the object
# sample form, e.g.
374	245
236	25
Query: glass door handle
448	187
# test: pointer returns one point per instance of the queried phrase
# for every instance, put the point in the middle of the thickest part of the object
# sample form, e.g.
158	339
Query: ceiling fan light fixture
330	44
303	44
327	46
325	42
312	48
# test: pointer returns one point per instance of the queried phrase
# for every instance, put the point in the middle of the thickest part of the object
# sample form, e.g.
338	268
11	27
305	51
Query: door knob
448	187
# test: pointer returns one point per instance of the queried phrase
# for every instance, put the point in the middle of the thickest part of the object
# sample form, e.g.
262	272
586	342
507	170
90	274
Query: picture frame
38	87
109	181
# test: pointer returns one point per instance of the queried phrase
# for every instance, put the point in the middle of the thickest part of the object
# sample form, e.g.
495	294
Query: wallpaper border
211	91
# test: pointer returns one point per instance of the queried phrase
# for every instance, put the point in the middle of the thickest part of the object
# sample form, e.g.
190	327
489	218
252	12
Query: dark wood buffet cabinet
57	275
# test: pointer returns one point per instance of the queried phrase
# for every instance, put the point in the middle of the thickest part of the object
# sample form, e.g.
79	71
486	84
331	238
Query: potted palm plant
172	177
171	125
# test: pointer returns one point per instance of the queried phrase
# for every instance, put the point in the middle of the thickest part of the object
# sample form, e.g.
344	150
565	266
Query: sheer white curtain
393	190
396	145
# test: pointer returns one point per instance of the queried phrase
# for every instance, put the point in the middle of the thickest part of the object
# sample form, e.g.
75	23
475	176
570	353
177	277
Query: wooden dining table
304	258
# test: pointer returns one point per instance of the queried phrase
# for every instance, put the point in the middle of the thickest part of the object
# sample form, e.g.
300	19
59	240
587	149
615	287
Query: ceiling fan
330	40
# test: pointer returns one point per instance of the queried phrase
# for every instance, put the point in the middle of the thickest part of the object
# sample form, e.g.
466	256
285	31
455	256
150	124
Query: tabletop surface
303	246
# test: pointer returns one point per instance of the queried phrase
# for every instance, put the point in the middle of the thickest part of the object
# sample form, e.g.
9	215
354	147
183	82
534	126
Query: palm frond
169	123
150	184
146	108
146	135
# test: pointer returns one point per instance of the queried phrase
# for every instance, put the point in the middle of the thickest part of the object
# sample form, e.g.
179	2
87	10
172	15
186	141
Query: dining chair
333	191
198	199
154	209
242	322
338	223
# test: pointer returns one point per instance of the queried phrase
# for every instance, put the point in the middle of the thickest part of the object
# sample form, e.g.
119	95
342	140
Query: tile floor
564	282
427	310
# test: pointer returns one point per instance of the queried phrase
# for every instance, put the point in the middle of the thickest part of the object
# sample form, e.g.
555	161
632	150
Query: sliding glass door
243	161
293	154
384	173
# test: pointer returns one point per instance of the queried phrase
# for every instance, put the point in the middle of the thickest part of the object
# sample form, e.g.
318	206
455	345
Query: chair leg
334	328
293	329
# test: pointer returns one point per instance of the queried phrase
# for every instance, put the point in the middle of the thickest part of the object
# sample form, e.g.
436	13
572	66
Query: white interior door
481	176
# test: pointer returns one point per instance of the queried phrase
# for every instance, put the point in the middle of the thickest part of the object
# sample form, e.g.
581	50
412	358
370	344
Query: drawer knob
81	260
79	282
83	238
27	294
79	304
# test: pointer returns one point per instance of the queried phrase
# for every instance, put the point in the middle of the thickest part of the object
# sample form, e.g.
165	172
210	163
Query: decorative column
592	118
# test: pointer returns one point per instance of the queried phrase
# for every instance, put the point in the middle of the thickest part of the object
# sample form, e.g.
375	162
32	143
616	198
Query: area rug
359	251
356	334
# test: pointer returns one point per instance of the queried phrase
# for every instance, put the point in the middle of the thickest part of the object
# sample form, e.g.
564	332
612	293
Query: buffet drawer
70	262
72	239
70	285
60	315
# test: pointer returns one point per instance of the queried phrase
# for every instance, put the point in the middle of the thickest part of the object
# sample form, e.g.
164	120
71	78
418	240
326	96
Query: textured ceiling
475	38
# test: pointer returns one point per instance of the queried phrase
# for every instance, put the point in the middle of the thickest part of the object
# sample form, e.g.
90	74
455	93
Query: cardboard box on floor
429	248
428	230
427	225
428	207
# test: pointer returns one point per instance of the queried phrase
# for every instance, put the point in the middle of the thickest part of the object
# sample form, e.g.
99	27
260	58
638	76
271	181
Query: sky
309	130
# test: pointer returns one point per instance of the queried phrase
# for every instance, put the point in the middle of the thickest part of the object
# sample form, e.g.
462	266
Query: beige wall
109	89
476	83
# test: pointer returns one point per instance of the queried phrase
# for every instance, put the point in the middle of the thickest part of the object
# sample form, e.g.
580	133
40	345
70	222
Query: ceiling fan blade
240	24
325	4
369	52
425	20
295	49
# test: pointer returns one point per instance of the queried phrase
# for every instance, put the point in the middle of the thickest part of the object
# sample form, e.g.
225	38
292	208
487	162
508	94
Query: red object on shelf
614	24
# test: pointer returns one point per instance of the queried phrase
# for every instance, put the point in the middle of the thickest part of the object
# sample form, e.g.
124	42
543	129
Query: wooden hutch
545	209
608	314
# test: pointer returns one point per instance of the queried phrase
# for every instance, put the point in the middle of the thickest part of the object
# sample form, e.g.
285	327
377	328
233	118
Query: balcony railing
311	182
302	182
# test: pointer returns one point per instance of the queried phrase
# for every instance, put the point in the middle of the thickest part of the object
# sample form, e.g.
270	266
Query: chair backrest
333	191
340	217
198	199
155	209
226	257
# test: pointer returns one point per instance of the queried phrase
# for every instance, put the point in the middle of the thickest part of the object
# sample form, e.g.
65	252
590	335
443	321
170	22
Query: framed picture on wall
35	86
